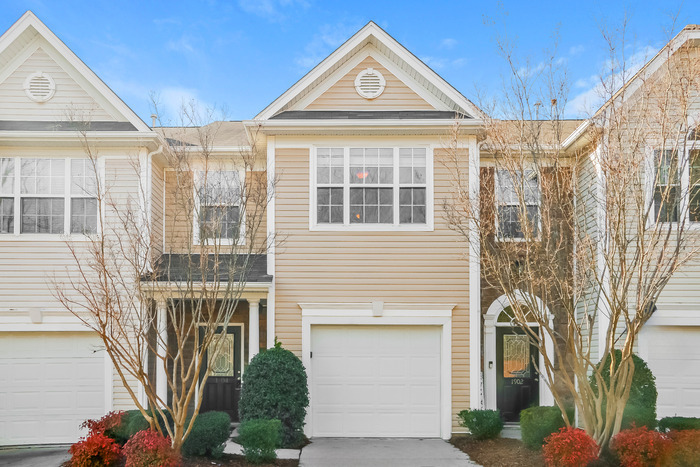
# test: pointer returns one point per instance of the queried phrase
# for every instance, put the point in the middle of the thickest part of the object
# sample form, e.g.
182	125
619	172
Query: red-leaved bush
641	447
148	448
95	450
110	421
686	448
570	447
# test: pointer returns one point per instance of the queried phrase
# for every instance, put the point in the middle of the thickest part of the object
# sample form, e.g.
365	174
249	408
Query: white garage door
49	384
674	358
381	381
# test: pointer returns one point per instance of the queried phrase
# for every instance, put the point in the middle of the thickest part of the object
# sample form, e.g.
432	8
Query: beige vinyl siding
70	100
343	96
179	219
157	218
358	267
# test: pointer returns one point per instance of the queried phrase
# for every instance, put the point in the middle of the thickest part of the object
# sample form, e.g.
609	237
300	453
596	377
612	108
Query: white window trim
67	197
198	209
683	185
396	226
501	238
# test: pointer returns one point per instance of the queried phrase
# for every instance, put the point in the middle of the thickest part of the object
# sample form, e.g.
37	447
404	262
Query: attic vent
39	87
370	83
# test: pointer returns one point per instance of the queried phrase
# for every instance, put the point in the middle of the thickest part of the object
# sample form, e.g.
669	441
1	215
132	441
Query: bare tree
198	269
600	226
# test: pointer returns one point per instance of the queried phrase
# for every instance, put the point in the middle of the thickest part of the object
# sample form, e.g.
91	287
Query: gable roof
690	32
26	29
440	91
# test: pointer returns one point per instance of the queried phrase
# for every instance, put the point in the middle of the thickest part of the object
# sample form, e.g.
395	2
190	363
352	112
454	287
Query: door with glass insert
223	387
517	380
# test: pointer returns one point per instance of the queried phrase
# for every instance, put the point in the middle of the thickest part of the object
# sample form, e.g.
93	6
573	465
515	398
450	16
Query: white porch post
253	328
162	349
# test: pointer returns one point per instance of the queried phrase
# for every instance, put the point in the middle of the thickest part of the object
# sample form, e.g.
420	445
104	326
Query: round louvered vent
39	87
370	83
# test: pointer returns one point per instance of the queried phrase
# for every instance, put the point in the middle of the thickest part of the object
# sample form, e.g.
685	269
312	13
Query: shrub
536	423
208	435
483	424
639	447
108	422
641	405
275	387
686	448
148	448
569	447
132	421
259	439
95	450
679	423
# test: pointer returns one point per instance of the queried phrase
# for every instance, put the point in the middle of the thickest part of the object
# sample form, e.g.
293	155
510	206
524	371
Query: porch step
235	448
511	430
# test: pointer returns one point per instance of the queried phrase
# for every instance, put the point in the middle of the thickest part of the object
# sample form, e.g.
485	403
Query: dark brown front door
223	388
517	380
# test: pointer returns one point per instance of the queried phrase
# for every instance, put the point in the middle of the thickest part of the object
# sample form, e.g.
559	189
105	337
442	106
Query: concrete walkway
384	452
52	456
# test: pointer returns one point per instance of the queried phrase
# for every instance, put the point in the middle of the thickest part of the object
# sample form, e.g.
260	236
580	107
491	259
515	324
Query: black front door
223	388
517	380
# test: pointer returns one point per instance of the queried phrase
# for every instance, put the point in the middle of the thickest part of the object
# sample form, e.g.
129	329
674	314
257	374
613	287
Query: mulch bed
499	452
235	461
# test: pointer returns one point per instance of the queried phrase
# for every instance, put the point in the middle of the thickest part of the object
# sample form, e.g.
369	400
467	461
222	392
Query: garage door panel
375	381
52	382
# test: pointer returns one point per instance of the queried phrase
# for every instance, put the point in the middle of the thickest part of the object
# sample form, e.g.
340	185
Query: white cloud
441	63
172	99
329	37
576	49
182	45
272	10
448	43
597	88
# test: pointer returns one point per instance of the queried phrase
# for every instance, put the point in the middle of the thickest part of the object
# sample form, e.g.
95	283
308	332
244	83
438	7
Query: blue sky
240	55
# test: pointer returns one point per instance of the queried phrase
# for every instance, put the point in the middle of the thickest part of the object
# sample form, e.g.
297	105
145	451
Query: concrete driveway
49	456
384	452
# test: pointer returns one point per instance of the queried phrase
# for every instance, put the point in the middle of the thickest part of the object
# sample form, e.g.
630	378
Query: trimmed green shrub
259	439
536	423
131	423
209	434
483	424
275	387
679	424
641	405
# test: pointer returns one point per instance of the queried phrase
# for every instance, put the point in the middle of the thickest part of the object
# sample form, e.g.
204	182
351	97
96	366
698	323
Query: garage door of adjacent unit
381	381
674	358
49	384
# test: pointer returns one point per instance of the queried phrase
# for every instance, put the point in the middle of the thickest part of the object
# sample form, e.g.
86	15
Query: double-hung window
517	199
372	188
219	205
677	172
47	196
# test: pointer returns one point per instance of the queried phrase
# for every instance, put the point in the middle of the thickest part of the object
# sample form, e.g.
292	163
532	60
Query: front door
517	380
223	388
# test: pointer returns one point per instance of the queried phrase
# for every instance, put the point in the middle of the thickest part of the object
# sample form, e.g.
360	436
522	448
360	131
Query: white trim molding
384	314
490	324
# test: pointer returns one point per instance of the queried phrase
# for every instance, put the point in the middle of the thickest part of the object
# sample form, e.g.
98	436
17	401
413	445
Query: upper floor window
517	199
219	205
677	171
51	196
374	188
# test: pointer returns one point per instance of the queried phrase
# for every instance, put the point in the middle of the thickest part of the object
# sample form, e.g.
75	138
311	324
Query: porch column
162	349
253	328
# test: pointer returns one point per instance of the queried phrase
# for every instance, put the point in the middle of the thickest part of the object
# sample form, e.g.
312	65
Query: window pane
371	165
42	176
329	205
83	217
666	191
219	222
220	187
509	221
7	215
371	205
7	176
666	204
412	206
412	165
83	177
42	215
